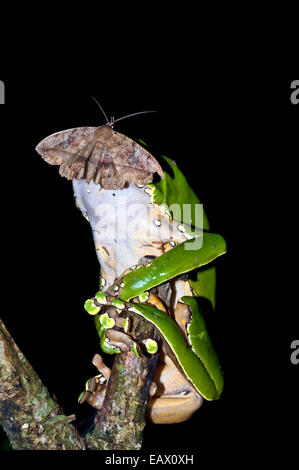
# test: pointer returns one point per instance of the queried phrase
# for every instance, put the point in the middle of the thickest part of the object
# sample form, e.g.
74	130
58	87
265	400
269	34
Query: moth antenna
108	122
134	114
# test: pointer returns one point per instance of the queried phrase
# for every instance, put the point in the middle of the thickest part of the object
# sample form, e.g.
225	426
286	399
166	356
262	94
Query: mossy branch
32	418
120	423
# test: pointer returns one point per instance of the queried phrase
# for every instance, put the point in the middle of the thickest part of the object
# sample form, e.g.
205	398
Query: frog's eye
91	307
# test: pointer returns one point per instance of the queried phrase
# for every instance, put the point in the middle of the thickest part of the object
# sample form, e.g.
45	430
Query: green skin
174	262
196	356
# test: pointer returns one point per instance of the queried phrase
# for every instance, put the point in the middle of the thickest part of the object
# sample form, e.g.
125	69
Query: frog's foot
98	362
173	409
174	400
95	388
115	330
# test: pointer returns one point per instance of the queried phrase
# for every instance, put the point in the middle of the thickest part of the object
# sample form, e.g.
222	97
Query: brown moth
101	154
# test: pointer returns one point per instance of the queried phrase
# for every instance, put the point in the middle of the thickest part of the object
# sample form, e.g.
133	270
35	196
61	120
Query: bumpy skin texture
175	399
108	157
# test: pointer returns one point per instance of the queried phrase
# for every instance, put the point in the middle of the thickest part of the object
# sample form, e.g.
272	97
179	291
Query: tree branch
31	418
119	424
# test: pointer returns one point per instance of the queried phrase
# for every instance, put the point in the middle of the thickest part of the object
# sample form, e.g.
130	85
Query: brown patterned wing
101	154
70	149
122	161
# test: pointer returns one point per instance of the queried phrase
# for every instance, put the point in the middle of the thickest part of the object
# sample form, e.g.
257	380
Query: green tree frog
147	238
145	254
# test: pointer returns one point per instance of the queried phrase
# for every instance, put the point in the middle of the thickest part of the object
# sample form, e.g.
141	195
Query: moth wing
124	161
108	157
132	155
57	148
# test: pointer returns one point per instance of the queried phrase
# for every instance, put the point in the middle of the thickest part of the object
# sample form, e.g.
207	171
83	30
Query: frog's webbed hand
119	328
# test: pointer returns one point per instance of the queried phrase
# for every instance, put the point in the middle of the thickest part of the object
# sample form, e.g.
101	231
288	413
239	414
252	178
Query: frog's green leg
201	344
198	360
189	362
171	264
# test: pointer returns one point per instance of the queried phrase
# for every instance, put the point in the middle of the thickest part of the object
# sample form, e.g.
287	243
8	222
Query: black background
233	134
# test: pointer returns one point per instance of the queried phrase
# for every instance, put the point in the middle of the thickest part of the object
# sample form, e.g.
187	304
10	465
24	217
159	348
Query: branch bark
32	419
120	423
